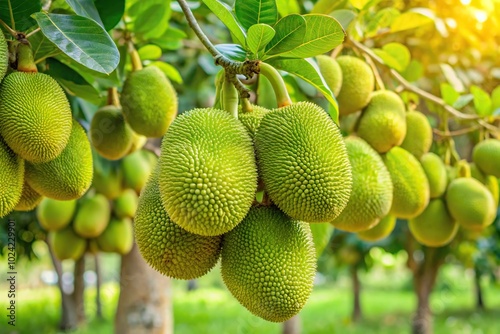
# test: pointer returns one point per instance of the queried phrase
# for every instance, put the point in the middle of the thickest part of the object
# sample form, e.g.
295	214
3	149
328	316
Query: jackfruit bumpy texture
486	156
418	139
11	178
303	162
251	120
70	174
36	116
331	72
383	121
149	102
4	56
357	84
208	175
29	199
166	246
269	263
110	135
411	188
371	195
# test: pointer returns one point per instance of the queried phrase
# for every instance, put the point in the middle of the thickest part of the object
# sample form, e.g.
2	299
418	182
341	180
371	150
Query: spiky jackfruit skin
321	235
434	227
29	199
136	170
488	180
69	175
54	215
303	162
67	244
383	122
269	263
418	139
108	182
125	205
357	84
331	72
435	170
92	216
251	120
371	195
4	56
411	188
110	135
380	231
486	156
166	246
36	116
149	102
11	178
470	203
208	175
117	237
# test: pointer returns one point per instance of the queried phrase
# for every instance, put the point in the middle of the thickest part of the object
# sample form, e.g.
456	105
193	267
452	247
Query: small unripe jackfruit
11	178
54	215
108	182
357	84
488	180
486	156
380	231
136	170
67	244
118	236
92	216
126	204
331	72
418	139
435	170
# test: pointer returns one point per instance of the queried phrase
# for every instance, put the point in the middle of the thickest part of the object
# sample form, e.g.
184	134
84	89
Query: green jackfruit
4	56
470	203
380	231
434	227
371	195
411	188
126	204
67	244
110	135
303	162
488	180
149	102
108	182
54	215
269	263
136	170
331	72
117	237
357	84
208	175
11	178
418	139
321	236
166	246
486	156
383	122
29	199
36	116
92	216
251	120
70	174
435	170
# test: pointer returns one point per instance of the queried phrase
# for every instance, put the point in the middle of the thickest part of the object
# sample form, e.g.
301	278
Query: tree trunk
144	306
78	291
478	290
292	325
98	303
356	289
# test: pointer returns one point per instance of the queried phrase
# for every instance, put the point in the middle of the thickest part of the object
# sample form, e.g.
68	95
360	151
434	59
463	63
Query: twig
9	29
33	32
456	132
337	51
376	73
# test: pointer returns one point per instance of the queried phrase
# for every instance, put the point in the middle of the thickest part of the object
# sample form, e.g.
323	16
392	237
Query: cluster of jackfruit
44	152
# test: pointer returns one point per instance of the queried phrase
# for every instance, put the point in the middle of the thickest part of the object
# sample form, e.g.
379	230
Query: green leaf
382	19
42	47
482	101
153	22
250	12
110	11
287	7
359	4
462	101
327	6
452	77
149	52
16	13
290	32
449	94
409	20
224	14
413	71
309	72
171	39
344	16
400	53
232	51
259	35
81	39
171	72
85	8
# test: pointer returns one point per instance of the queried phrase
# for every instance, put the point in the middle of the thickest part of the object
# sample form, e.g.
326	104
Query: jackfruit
136	170
110	135
126	204
70	174
269	263
380	231
55	215
108	182
149	102
11	178
321	236
303	162
117	237
251	120
92	216
383	122
36	116
357	84
166	246
434	227
66	244
488	180
418	139
411	188
486	156
331	72
208	175
29	199
470	203
4	56
435	170
371	195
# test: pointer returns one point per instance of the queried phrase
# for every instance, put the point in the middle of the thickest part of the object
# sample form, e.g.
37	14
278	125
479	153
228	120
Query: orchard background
441	57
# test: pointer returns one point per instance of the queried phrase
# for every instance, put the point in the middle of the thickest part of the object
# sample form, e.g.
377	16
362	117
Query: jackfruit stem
246	106
134	57
463	169
113	99
229	97
278	84
219	80
25	61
